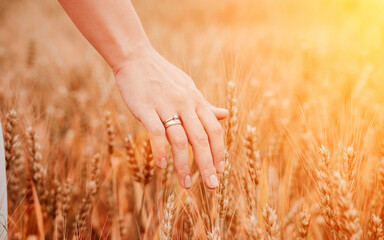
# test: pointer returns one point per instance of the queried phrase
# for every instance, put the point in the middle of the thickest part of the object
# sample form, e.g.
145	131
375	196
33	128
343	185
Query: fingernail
221	166
187	182
163	163
213	180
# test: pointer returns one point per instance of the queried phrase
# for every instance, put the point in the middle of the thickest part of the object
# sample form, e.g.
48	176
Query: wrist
130	53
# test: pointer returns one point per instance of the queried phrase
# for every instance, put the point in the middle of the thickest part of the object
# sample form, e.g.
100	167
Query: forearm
153	88
112	27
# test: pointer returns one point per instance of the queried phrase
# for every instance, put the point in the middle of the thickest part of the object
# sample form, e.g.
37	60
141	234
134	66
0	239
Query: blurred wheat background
303	81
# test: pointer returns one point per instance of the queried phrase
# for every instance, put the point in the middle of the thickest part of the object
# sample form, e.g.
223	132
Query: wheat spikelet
375	228
247	192
123	227
10	138
149	162
214	234
14	159
251	178
131	159
293	210
272	228
85	209
95	170
167	174
348	215
66	198
223	189
232	118
54	199
167	221
140	174
303	225
253	156
188	221
325	190
254	231
38	172
110	132
350	165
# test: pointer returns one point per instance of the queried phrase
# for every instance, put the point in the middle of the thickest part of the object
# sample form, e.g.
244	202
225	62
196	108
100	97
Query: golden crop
303	81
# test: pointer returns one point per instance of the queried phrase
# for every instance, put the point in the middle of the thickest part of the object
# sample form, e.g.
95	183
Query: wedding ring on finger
174	120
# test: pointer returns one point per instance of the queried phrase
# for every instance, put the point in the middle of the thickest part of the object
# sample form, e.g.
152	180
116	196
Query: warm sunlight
194	119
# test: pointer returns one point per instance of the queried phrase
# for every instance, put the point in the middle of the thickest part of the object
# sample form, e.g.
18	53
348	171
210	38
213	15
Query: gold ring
174	120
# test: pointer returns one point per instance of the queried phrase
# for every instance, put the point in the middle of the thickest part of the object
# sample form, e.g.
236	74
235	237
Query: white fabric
3	191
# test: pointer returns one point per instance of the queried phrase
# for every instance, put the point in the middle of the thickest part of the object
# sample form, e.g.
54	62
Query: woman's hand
155	90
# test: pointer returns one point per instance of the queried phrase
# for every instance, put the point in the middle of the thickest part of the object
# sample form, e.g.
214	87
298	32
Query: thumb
220	113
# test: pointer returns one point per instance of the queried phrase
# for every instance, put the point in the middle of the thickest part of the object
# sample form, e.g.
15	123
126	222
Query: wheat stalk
85	209
188	221
348	215
133	166
95	170
14	160
350	166
375	228
168	216
123	227
110	132
303	225
232	123
254	231
253	156
37	171
325	190
214	234
67	194
223	189
149	163
272	229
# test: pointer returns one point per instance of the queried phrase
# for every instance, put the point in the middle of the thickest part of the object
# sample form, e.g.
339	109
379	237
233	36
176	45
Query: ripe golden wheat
304	137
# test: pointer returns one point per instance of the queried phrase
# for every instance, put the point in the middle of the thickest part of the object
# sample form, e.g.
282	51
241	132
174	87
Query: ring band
174	120
171	123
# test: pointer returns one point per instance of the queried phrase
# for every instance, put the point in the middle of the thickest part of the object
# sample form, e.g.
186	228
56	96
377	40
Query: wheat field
302	80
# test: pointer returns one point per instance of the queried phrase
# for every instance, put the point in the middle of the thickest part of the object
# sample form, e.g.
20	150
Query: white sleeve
3	191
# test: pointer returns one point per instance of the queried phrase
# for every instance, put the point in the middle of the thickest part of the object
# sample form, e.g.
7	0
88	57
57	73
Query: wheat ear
167	222
303	225
272	228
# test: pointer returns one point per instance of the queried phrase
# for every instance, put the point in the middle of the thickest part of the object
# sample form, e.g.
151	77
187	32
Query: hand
155	90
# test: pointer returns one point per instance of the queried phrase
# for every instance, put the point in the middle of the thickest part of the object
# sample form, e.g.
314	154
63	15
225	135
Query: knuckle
200	98
207	170
220	153
182	168
217	130
181	142
156	131
201	139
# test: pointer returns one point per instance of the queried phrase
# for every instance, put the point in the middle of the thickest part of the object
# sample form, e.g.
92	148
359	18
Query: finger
220	113
156	132
215	135
201	150
179	146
